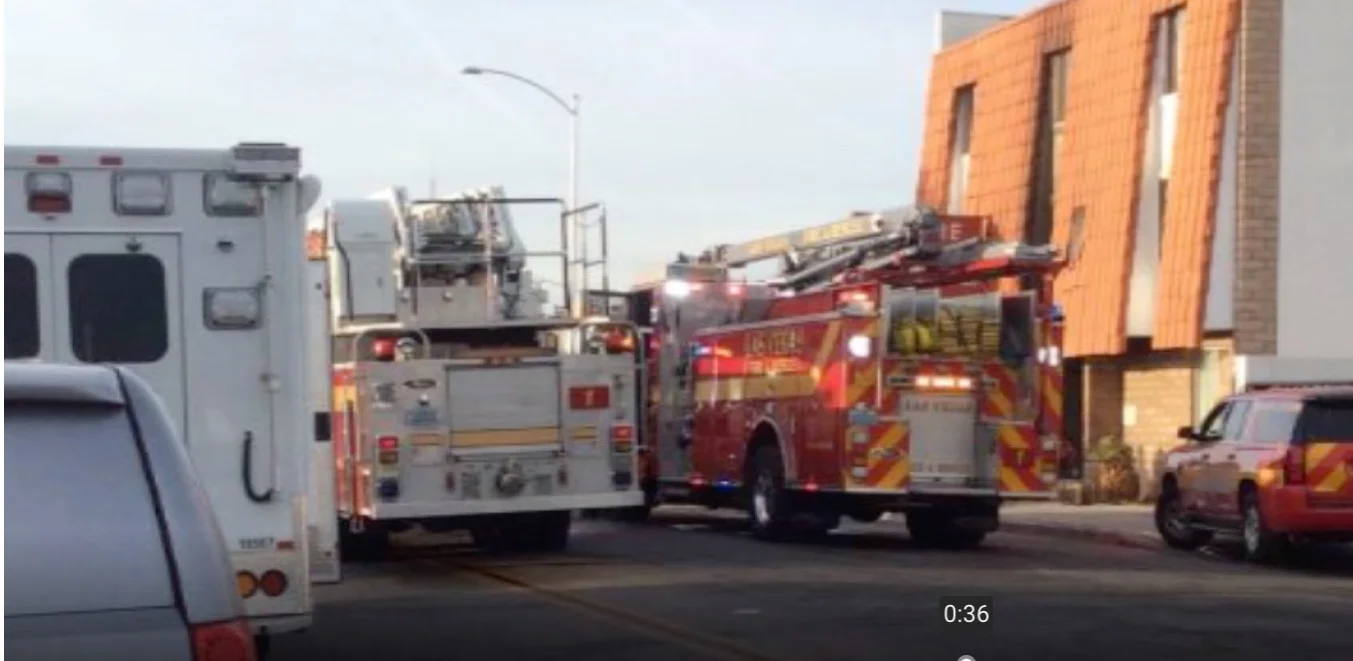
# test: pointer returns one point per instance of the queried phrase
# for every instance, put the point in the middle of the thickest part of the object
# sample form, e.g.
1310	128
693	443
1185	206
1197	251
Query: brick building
1161	141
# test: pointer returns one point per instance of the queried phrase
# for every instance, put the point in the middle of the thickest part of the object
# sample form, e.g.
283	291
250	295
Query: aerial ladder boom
816	257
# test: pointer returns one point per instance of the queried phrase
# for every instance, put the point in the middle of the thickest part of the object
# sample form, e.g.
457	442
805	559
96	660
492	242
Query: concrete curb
1141	541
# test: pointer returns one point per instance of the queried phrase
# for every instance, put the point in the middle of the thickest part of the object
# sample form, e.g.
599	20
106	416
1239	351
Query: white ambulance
185	265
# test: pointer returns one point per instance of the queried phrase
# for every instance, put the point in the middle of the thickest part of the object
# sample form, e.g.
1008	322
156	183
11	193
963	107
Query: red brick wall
1108	73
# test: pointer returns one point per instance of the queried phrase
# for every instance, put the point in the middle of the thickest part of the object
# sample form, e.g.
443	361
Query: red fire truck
902	362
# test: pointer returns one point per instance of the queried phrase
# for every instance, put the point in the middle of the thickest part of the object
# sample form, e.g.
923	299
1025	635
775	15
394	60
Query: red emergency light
383	348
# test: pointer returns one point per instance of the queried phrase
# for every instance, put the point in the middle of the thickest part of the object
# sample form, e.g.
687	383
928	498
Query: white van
186	266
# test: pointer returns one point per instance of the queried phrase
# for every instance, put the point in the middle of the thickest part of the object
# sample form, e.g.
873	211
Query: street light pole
577	250
574	256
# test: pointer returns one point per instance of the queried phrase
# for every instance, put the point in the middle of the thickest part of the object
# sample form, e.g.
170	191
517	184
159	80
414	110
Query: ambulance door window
22	330
118	308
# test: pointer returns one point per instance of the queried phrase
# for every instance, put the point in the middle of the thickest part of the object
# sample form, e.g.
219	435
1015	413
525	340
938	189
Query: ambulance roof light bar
265	161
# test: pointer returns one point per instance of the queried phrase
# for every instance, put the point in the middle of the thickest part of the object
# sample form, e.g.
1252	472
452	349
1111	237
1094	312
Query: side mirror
1186	433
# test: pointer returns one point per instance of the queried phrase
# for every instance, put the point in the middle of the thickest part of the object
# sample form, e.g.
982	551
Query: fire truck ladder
898	244
812	257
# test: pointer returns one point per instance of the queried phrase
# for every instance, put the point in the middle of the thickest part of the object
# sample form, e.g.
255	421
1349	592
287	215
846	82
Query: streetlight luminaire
573	253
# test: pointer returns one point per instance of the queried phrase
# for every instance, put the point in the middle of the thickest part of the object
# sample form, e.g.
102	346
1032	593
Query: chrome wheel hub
1251	529
761	499
1174	519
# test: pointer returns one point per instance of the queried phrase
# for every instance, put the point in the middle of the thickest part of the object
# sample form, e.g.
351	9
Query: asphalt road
694	586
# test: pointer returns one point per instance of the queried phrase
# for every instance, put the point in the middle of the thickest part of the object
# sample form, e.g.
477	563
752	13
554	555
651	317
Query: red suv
1275	466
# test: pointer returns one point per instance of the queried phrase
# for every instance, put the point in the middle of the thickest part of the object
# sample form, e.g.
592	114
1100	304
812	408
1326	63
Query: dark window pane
1328	420
118	310
21	307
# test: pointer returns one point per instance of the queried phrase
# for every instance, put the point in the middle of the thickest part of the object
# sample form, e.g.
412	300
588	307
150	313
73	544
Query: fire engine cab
903	361
456	401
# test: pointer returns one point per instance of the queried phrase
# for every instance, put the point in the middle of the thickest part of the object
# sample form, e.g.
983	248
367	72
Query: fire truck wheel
639	514
767	508
371	545
551	531
937	529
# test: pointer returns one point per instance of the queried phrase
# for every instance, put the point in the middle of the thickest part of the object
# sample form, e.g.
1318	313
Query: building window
1056	73
959	147
21	307
1171	39
1162	199
1051	114
118	308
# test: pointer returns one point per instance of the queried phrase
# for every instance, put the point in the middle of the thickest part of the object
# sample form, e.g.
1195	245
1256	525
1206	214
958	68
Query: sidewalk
1121	525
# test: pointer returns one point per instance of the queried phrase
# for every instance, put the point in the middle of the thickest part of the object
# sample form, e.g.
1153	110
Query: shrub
1115	476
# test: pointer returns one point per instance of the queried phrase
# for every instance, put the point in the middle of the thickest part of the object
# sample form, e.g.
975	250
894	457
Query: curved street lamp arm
569	108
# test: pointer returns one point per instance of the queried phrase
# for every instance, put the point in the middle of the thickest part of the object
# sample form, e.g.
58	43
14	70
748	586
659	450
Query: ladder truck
902	361
457	401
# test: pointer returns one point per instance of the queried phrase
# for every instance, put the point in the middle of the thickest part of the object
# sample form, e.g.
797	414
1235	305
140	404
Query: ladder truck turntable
456	401
903	361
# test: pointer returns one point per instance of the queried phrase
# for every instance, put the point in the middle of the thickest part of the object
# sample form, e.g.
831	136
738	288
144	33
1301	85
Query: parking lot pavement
1133	526
693	585
1124	525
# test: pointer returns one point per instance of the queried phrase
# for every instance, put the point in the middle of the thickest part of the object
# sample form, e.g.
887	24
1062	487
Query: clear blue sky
703	120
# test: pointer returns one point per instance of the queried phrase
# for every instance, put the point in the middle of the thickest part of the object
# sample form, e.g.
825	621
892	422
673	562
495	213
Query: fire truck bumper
433	509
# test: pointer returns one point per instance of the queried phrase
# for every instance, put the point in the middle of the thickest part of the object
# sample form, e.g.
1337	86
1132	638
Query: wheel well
763	436
1168	484
1247	488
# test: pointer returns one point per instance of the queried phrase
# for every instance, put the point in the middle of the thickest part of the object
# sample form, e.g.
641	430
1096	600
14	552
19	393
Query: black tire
370	545
768	508
1170	523
550	531
937	530
866	515
640	514
1261	544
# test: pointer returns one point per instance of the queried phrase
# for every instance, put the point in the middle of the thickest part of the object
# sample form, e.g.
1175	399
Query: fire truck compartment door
504	406
943	438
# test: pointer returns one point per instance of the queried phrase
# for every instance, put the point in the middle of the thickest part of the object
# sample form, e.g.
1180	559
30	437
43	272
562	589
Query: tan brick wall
1226	348
1256	283
1102	401
1158	389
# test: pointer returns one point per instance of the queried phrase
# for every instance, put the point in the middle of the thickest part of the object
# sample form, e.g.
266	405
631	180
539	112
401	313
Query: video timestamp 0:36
967	611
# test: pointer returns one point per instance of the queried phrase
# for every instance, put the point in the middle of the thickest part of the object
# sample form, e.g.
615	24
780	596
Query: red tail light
224	641
1294	465
383	348
273	583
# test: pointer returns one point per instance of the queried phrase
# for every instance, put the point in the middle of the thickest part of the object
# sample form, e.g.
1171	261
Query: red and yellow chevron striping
883	461
999	392
1051	398
1021	457
1325	468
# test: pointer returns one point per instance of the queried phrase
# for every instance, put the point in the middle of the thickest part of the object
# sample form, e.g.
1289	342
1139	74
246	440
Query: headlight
677	288
859	346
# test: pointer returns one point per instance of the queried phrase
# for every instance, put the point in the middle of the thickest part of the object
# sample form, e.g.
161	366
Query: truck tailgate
504	405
